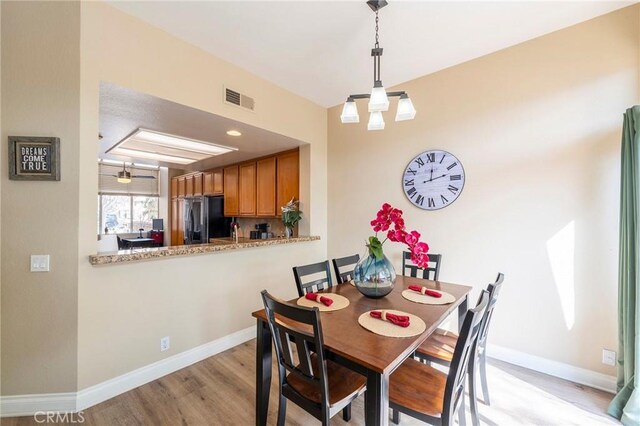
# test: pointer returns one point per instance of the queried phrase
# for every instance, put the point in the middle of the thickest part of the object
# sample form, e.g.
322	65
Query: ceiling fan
125	176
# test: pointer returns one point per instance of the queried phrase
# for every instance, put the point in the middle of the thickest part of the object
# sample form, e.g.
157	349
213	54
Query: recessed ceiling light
159	146
234	133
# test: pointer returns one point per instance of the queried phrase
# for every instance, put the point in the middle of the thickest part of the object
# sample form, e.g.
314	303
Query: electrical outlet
165	343
39	263
608	357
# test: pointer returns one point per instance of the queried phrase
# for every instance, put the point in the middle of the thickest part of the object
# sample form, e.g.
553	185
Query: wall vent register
236	98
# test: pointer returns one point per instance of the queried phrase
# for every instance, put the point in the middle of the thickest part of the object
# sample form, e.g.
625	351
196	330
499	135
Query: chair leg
462	421
395	417
473	402
483	378
346	413
282	410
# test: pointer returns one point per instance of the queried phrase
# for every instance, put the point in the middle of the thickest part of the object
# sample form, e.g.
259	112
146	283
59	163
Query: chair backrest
346	275
322	281
121	244
289	328
463	353
432	272
494	291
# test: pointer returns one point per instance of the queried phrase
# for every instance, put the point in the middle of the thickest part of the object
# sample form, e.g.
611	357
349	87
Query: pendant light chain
377	43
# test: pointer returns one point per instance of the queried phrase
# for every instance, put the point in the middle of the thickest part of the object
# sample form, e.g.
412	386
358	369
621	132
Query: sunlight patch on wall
561	249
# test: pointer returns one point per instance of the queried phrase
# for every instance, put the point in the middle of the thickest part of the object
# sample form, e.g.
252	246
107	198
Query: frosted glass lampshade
379	100
124	177
376	122
406	111
350	112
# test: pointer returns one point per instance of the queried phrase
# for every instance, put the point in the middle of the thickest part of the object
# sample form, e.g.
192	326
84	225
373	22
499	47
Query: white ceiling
321	49
123	110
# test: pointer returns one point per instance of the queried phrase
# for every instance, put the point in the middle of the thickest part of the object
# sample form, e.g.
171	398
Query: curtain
626	404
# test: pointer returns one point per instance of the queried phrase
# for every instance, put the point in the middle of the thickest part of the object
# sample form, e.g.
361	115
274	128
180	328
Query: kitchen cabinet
266	187
212	182
287	178
197	184
230	182
247	190
174	187
182	186
189	185
177	222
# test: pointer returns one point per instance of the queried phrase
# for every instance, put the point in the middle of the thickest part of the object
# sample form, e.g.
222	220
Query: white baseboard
25	405
28	405
553	368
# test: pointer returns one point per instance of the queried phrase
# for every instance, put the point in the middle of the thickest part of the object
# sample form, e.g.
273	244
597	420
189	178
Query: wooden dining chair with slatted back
432	272
344	267
316	384
319	270
423	392
440	345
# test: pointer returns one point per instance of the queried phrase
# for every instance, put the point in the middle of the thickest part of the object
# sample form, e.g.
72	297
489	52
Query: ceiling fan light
350	112
376	121
124	176
378	100
406	111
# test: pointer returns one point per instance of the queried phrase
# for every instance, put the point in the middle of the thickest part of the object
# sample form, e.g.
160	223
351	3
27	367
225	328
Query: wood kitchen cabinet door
180	236
174	187
247	190
207	183
189	186
176	222
287	178
266	187
197	184
218	180
231	191
182	187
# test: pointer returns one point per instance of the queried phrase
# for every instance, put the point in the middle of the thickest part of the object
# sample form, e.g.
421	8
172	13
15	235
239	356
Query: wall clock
433	179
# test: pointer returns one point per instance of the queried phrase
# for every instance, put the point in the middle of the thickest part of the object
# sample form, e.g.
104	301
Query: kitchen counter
215	245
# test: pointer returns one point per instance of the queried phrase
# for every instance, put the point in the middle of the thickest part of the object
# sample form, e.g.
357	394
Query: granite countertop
215	245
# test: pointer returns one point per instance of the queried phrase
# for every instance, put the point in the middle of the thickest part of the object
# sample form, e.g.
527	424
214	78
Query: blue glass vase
373	277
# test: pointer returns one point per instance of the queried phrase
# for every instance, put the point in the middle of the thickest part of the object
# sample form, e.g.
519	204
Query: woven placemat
339	302
389	329
414	296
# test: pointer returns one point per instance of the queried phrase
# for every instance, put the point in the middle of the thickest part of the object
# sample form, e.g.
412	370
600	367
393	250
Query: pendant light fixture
379	97
124	176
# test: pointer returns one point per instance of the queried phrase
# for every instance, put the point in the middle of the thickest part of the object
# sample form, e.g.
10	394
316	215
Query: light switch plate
39	263
608	357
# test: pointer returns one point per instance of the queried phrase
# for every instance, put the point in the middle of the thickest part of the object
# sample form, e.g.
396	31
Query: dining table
348	343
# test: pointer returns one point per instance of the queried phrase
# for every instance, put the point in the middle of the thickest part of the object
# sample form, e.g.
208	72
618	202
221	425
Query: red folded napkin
319	298
401	320
424	290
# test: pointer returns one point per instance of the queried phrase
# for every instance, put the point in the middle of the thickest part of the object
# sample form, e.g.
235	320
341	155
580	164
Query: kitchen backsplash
276	226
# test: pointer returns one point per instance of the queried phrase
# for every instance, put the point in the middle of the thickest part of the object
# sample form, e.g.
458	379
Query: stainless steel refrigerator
204	219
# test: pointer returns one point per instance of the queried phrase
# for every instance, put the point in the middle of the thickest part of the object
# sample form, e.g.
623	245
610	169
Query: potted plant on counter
290	216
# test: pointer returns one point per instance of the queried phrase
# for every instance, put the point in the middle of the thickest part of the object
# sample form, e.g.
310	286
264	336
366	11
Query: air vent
238	99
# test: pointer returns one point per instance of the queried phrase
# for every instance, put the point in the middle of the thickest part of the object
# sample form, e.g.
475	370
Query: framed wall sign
34	158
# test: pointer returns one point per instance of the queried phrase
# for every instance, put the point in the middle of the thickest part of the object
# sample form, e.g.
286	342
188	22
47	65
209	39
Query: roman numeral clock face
433	180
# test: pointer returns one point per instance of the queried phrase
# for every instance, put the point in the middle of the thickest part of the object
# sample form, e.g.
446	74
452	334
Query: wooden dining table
348	343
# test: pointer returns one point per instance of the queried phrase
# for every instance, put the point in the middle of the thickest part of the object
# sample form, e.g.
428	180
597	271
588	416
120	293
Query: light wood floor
220	391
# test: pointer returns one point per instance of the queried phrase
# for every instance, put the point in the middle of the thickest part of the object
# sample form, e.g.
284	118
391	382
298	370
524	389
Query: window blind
108	183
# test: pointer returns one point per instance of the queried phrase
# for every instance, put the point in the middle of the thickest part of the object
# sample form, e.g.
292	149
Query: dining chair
350	261
432	272
439	346
430	395
316	384
320	270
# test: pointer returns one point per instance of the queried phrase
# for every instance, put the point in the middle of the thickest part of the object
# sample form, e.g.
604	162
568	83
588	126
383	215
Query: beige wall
537	128
40	97
80	325
124	310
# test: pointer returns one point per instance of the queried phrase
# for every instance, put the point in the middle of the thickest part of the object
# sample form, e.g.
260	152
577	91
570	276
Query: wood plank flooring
220	391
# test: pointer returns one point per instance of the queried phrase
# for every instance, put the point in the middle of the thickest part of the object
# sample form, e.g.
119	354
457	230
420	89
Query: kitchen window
125	208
